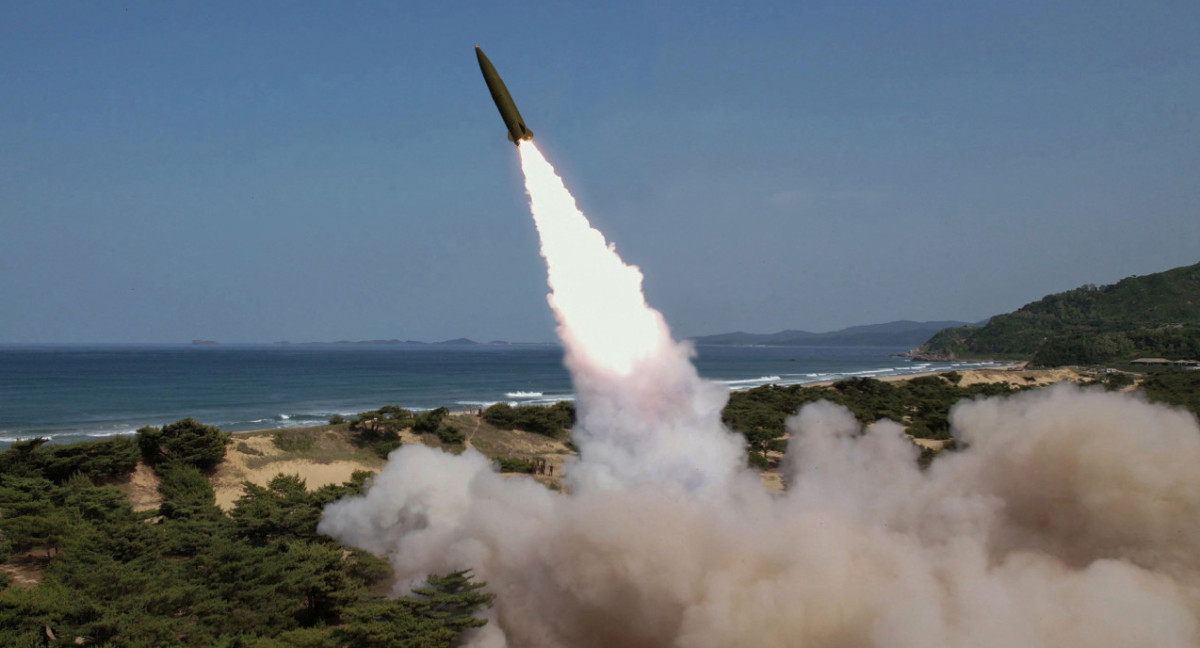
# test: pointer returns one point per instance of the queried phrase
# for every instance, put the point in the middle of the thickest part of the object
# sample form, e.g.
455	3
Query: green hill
1151	315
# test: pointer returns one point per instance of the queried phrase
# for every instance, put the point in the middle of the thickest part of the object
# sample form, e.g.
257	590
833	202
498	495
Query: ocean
73	393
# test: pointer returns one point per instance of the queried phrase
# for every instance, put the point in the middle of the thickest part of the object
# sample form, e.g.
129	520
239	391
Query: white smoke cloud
1069	519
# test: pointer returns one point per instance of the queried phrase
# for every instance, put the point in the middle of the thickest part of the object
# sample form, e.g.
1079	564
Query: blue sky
254	172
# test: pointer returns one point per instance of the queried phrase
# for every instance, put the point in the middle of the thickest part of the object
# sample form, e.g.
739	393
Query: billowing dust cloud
1069	519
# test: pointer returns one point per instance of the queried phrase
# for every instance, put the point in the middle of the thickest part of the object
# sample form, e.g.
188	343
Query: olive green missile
508	109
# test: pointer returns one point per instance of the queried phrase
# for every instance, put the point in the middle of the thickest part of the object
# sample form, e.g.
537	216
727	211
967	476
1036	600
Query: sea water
72	393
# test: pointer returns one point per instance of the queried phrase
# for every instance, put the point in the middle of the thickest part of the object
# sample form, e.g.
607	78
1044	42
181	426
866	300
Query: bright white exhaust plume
1070	519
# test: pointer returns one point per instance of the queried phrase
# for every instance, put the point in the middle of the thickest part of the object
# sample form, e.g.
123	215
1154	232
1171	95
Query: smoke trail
1070	519
644	413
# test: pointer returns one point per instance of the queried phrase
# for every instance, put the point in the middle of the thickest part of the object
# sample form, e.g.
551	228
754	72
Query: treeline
188	574
1173	342
921	404
553	421
1174	387
1151	315
380	429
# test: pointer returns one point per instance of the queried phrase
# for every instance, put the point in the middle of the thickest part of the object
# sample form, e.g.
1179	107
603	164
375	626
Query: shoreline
78	436
324	454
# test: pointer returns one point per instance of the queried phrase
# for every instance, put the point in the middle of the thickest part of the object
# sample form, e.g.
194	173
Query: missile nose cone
517	131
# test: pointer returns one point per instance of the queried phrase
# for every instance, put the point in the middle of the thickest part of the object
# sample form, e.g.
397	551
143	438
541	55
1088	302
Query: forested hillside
1151	315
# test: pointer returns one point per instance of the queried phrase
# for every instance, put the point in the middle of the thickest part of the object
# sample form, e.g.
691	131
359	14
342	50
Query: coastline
253	456
74	394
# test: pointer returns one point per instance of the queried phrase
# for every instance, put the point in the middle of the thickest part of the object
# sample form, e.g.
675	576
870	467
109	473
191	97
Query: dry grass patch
320	456
1020	378
141	488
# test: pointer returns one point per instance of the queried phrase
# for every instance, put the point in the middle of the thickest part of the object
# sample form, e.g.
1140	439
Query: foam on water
74	394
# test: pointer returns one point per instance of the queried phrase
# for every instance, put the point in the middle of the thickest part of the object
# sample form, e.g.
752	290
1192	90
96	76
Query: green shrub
1117	380
552	421
450	434
515	465
380	429
185	491
185	441
429	421
501	416
382	423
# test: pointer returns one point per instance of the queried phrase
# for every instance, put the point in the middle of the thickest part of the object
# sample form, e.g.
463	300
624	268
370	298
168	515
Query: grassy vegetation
515	465
1152	315
294	440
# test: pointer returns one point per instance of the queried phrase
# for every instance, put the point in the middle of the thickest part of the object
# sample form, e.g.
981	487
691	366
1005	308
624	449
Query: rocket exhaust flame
636	387
596	297
1071	518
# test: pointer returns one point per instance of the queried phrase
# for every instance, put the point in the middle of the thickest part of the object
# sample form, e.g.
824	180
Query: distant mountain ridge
1149	315
455	342
900	333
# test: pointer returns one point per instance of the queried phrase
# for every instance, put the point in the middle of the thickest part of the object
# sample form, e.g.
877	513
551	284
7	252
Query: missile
504	102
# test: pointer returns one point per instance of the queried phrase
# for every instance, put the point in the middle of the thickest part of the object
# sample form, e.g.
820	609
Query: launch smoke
1069	519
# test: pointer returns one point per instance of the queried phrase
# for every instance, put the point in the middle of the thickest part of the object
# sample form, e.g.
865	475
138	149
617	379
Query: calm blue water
69	393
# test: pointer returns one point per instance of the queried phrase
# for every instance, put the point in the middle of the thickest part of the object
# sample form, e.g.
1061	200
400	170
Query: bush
429	421
185	491
1117	380
380	429
185	441
552	421
515	465
450	434
337	419
501	416
383	423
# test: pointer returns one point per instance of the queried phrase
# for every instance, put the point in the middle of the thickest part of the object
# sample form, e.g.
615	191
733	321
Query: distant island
1154	316
900	333
455	342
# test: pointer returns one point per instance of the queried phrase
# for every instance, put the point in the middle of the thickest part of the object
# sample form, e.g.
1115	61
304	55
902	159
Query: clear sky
255	172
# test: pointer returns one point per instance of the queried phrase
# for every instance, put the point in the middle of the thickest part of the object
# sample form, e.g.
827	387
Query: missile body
508	109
